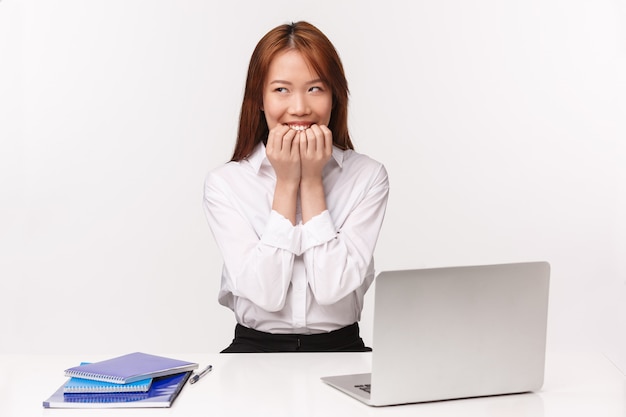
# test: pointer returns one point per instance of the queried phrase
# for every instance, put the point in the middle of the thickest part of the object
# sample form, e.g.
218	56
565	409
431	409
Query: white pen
199	375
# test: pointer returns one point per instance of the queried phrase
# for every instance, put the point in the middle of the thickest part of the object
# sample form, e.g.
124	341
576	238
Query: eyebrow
317	80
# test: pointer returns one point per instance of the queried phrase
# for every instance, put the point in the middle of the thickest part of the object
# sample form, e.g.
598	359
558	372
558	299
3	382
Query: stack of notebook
133	380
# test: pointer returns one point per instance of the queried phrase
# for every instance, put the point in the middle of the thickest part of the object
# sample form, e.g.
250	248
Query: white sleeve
337	261
259	266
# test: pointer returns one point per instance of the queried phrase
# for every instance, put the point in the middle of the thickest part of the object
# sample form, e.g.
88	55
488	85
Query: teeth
298	127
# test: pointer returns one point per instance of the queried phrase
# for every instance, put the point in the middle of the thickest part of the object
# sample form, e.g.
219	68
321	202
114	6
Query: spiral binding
102	390
95	377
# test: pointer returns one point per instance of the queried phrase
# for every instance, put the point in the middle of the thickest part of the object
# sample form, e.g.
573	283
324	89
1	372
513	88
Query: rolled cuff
280	233
317	231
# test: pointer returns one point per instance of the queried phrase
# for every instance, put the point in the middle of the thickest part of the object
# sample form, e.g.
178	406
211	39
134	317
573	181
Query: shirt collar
258	157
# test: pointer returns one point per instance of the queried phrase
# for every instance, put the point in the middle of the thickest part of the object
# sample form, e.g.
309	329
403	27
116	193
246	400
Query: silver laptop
456	332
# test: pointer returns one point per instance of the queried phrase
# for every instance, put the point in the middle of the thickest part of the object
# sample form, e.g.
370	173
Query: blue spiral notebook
130	368
80	385
162	394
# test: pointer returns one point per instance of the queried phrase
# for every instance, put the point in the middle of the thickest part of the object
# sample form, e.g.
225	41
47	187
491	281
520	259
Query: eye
280	90
315	89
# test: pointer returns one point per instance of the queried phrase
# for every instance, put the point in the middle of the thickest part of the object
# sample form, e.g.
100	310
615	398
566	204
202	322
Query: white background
502	126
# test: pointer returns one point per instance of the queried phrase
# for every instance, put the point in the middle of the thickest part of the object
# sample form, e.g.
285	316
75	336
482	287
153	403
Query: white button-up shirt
307	278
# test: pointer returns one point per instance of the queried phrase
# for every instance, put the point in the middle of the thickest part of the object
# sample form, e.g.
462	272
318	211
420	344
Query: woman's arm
337	260
283	152
316	149
259	264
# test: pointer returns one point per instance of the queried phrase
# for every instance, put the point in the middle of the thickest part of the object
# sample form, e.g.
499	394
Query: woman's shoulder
363	168
223	175
225	168
360	160
232	173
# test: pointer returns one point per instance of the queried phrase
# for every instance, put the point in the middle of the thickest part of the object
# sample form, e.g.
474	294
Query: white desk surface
276	385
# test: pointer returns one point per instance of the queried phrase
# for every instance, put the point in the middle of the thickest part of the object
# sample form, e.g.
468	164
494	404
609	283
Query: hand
283	152
316	148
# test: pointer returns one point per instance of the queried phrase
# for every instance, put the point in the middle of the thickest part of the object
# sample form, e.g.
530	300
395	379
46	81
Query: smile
299	127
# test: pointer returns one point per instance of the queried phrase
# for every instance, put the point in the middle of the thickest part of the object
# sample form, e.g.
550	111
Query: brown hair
320	53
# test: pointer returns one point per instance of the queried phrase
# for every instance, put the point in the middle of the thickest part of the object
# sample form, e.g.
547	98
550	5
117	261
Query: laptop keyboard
364	387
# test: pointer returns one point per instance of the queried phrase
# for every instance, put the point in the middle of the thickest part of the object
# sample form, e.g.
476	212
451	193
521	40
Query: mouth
299	126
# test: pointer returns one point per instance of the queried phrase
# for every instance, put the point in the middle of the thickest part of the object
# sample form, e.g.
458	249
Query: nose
299	105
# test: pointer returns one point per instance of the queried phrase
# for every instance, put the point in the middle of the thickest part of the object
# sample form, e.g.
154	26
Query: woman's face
294	95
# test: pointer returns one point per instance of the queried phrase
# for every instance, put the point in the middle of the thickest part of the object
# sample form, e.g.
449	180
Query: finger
328	138
321	145
286	138
301	139
295	145
293	137
282	137
311	140
275	136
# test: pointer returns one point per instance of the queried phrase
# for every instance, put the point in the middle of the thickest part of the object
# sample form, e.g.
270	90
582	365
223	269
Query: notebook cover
130	368
162	394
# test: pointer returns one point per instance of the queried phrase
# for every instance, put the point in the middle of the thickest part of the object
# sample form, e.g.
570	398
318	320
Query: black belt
346	339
